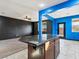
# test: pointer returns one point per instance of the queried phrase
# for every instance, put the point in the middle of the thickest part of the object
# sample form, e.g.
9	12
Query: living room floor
69	49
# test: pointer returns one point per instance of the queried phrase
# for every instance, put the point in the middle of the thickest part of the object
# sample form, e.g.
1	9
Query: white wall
11	9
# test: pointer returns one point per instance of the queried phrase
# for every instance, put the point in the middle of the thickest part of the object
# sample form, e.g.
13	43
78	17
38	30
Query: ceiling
33	4
69	11
22	8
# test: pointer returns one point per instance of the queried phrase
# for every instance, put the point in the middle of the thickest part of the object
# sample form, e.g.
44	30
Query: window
75	25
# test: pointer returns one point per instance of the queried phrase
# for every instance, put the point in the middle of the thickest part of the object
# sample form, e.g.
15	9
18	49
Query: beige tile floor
69	49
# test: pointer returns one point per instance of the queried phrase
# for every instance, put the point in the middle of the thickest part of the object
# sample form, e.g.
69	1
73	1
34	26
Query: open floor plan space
39	29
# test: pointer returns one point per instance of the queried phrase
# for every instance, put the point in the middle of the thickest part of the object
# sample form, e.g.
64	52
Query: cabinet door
35	53
57	47
49	50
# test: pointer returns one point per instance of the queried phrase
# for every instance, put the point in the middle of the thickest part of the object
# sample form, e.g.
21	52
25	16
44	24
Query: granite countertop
36	41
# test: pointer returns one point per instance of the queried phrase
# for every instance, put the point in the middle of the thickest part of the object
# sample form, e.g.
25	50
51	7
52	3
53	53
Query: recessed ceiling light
42	5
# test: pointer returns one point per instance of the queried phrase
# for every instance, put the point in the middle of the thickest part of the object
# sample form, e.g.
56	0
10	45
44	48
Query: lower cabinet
35	52
49	50
57	48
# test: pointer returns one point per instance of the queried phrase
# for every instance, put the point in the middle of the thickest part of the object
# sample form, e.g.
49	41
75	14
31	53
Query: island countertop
36	40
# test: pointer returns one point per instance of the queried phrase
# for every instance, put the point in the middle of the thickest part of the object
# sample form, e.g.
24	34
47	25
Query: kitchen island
45	47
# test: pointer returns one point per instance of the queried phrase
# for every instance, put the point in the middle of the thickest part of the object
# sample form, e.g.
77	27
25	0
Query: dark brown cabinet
35	53
57	48
49	50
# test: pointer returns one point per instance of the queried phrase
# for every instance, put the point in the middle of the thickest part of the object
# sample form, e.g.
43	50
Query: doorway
61	30
47	27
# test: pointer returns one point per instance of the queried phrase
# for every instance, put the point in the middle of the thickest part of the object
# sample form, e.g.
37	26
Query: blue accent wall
68	20
48	10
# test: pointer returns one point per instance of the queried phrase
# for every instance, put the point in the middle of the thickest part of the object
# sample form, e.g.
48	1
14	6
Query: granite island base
46	49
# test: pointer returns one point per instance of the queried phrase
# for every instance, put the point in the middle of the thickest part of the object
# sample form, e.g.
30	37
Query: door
61	30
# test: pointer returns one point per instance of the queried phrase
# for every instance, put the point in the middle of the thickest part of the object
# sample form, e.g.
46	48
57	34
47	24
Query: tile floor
69	49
